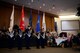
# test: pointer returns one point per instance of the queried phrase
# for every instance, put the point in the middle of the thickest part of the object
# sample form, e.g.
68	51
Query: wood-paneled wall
6	10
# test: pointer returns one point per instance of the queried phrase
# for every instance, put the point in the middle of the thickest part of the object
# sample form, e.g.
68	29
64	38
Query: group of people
22	38
18	38
64	39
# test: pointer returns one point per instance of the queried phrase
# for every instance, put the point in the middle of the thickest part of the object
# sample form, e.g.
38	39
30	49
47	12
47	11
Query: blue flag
38	24
30	19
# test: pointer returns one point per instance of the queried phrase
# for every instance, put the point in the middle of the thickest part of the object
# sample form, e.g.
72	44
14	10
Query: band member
27	37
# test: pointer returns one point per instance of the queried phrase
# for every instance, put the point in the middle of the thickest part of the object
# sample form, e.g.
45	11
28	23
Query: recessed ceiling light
43	4
29	3
49	9
32	0
53	7
61	10
40	7
15	0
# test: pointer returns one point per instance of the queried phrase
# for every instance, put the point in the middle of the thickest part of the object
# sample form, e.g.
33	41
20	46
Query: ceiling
59	7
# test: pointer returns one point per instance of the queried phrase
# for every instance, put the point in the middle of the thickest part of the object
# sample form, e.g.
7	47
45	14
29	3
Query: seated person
53	44
63	34
74	41
48	39
69	40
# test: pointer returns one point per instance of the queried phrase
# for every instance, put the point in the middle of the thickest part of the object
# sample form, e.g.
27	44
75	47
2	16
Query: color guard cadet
42	39
0	39
27	37
10	39
37	40
18	38
4	39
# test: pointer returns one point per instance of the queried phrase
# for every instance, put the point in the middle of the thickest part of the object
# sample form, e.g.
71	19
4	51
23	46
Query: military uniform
19	39
27	38
38	40
0	39
10	39
42	39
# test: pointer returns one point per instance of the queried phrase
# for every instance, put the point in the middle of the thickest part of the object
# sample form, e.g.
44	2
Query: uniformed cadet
42	39
10	39
0	39
27	37
4	39
20	39
37	40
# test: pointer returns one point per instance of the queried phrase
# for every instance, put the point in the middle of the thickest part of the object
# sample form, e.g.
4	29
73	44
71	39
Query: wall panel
6	10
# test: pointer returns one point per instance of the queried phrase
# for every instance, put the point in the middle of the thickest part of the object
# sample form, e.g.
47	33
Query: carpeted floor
45	50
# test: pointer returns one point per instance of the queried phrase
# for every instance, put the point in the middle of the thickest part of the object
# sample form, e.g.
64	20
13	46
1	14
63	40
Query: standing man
27	37
10	39
1	39
42	39
18	38
37	40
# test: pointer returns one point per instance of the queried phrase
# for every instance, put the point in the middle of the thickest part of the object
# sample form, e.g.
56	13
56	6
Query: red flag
22	26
